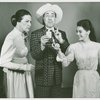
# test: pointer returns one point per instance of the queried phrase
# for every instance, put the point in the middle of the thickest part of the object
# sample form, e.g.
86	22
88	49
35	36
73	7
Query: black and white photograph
50	49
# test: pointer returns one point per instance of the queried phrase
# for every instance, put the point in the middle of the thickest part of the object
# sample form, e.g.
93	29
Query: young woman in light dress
86	52
13	57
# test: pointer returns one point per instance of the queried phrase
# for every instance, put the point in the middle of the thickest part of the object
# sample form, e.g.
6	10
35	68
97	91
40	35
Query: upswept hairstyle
17	17
87	25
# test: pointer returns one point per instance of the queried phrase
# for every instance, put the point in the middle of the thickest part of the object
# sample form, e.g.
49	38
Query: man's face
49	19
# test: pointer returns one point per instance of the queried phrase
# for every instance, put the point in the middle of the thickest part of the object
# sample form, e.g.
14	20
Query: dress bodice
14	49
85	54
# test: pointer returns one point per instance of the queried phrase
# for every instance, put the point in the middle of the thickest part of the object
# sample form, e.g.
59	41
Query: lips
50	22
28	27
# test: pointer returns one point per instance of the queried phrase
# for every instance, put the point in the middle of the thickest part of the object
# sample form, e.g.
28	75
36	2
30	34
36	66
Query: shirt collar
50	28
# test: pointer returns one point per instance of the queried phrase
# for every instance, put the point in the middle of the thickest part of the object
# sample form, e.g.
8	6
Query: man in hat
44	45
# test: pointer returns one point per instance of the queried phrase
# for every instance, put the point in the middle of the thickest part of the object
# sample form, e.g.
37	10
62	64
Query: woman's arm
7	54
67	58
15	66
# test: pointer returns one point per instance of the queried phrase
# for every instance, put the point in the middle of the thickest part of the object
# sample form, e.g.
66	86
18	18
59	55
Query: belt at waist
19	61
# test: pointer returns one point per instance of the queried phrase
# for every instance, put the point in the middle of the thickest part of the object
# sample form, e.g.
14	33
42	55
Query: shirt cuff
59	59
42	47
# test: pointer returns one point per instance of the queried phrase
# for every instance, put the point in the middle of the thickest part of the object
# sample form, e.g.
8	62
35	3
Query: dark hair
18	16
87	25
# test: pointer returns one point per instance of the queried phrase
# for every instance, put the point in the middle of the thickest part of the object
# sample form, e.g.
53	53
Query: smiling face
25	23
49	19
82	33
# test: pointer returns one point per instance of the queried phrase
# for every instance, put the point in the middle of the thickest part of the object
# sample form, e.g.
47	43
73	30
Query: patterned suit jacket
48	71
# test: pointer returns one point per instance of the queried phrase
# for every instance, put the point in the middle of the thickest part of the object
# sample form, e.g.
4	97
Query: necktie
53	37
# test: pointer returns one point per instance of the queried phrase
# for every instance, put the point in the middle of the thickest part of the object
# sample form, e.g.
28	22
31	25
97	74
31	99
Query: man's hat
49	7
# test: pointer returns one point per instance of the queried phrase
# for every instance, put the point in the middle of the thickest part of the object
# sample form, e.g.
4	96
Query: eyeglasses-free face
82	33
25	23
49	18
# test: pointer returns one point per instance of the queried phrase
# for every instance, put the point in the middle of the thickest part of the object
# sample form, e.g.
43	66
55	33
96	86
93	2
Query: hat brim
55	8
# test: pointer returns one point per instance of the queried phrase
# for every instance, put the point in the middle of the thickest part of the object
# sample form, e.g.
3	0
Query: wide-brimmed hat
49	7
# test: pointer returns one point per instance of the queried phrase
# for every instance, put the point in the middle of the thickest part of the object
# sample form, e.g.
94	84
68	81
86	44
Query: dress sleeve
14	66
67	58
7	53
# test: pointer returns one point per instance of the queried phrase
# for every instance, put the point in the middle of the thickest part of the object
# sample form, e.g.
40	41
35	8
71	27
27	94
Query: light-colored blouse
14	50
87	55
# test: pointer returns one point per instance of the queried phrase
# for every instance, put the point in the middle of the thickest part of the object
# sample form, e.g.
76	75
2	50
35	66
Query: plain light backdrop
73	12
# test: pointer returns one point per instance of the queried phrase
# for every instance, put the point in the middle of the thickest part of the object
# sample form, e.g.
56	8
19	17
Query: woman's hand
29	67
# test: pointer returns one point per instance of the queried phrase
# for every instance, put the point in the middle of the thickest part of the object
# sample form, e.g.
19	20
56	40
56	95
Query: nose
78	33
49	17
29	24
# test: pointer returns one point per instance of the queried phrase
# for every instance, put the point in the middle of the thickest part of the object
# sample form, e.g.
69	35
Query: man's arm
64	45
35	46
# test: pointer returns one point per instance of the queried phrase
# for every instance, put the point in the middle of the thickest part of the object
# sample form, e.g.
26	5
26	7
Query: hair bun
13	17
13	20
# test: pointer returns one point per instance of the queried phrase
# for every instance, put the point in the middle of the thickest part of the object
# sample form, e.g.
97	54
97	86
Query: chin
27	31
80	39
50	26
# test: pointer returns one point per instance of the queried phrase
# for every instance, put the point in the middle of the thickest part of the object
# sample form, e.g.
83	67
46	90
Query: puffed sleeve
67	58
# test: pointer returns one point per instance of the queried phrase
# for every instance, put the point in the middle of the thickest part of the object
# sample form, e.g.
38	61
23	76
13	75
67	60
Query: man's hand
56	46
59	36
44	40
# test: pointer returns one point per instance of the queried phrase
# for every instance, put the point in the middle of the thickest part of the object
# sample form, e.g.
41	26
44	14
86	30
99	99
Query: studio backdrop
72	12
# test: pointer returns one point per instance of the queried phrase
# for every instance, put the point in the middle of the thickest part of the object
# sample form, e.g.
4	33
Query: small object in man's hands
49	34
56	46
